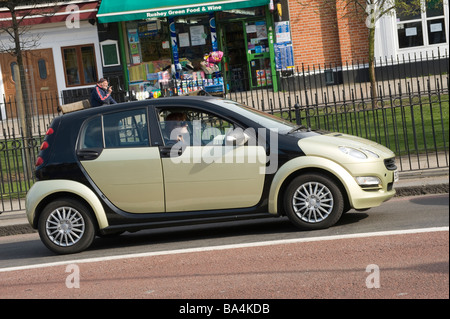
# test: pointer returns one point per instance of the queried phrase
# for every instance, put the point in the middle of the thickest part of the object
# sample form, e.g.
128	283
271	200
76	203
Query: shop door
235	56
258	54
39	76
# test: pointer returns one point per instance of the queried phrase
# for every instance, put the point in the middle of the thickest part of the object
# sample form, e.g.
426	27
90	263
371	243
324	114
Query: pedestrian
101	94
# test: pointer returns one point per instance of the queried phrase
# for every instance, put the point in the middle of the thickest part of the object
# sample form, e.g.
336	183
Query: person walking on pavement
101	94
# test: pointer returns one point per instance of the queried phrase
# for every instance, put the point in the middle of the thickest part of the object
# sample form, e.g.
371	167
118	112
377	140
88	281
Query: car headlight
371	154
353	152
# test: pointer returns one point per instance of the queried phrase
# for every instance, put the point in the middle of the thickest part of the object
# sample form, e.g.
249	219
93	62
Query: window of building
13	73
110	53
42	66
80	67
194	39
417	26
149	53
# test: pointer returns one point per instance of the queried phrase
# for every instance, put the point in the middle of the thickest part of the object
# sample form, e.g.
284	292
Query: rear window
91	135
116	130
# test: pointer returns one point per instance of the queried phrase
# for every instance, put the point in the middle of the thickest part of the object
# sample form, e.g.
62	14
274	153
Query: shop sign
119	10
185	11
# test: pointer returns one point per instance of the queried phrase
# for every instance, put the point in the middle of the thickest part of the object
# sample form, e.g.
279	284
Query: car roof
174	100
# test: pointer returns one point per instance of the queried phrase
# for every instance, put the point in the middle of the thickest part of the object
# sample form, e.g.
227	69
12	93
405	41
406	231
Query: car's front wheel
313	201
66	226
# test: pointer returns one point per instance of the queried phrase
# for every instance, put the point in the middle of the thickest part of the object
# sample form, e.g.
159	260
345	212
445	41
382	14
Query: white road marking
234	246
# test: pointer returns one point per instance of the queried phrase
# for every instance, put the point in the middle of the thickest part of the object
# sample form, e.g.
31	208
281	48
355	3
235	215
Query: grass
13	182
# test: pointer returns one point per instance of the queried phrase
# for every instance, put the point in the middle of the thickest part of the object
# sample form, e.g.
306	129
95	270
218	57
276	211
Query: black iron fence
409	112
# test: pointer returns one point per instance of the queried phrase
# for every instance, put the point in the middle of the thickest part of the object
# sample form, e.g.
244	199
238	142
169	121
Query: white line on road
234	246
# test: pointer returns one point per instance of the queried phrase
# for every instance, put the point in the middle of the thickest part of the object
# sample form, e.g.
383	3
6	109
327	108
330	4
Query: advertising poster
282	31
284	56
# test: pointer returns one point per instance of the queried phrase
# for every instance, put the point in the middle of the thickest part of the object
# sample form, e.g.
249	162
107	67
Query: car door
201	171
114	150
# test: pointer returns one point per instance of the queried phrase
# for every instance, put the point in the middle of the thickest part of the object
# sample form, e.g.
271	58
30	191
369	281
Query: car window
121	129
193	127
265	119
126	129
91	134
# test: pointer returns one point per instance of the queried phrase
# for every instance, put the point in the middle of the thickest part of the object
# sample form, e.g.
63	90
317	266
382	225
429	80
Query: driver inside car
176	128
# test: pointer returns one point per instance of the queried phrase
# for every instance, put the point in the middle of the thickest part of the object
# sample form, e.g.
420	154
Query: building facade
141	46
64	56
328	32
158	44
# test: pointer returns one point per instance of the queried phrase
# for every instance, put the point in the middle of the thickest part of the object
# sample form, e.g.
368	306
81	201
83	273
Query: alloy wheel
312	202
65	226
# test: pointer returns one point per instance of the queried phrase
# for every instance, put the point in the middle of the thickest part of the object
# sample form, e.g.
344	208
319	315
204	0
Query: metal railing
409	114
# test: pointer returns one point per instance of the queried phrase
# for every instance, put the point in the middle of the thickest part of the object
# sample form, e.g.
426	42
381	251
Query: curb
19	229
422	190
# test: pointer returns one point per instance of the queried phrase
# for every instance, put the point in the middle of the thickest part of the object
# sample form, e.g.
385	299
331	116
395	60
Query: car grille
390	164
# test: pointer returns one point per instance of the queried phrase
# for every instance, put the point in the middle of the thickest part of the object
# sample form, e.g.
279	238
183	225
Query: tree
371	11
21	41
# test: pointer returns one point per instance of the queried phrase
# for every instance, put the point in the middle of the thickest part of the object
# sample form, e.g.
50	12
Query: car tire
313	201
66	226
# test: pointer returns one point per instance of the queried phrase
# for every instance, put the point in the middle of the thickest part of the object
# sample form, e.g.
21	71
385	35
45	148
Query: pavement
411	183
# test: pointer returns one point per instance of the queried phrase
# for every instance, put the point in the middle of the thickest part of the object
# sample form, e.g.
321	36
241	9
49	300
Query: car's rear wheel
66	226
313	201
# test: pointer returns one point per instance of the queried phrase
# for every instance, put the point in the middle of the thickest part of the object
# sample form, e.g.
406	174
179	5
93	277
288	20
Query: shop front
183	46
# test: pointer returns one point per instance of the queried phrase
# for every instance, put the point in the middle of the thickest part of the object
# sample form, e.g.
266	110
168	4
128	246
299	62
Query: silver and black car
184	160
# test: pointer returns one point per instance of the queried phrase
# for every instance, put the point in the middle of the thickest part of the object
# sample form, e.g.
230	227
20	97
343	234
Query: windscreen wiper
299	127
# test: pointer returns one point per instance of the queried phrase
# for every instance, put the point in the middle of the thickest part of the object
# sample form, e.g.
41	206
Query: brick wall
353	32
323	34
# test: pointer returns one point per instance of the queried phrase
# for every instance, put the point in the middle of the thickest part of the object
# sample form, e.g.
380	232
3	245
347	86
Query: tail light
39	161
44	146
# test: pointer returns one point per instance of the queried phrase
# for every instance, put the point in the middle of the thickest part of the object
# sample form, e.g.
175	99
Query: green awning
120	10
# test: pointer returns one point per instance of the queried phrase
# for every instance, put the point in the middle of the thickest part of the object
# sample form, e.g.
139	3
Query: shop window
194	39
152	66
155	40
149	49
417	27
80	67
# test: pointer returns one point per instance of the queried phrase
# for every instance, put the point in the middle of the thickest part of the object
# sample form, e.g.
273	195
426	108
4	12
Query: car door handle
166	151
88	154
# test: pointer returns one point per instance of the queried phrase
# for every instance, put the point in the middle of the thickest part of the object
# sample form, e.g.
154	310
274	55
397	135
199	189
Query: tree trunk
22	103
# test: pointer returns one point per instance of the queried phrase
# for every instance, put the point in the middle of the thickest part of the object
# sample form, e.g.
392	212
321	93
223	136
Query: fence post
298	120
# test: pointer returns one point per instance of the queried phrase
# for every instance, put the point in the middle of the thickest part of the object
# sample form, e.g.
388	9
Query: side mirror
236	137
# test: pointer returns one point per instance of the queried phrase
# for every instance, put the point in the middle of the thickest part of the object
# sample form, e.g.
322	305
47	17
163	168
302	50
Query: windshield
264	119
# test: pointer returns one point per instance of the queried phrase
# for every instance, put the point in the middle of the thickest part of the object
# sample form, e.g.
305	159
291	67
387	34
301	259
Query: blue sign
212	25
284	56
173	37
